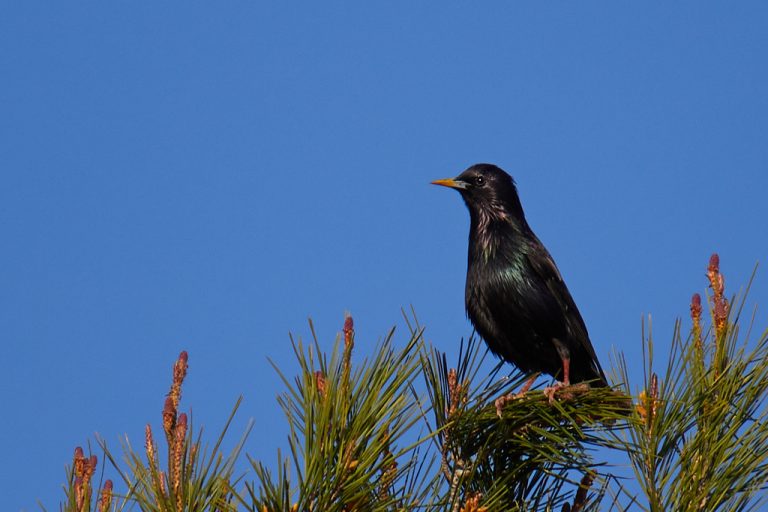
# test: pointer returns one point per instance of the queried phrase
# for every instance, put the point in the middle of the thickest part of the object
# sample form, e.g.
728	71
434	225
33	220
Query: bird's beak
450	182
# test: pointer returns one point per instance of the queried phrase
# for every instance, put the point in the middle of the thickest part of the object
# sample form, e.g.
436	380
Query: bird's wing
543	264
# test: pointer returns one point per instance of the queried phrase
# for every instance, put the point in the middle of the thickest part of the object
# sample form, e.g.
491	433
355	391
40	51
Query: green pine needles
404	430
701	439
348	429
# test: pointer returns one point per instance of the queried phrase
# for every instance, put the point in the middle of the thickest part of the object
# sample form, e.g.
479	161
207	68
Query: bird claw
504	400
501	402
550	391
565	390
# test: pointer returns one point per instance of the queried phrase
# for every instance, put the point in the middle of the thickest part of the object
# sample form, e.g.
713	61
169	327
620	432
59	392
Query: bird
515	296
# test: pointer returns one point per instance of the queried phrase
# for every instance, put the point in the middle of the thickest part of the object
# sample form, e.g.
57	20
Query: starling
515	296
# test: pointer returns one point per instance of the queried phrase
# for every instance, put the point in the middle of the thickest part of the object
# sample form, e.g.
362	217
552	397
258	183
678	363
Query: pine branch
531	457
405	431
699	442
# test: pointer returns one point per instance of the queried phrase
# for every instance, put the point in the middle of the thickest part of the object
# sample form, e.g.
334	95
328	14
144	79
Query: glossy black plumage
515	296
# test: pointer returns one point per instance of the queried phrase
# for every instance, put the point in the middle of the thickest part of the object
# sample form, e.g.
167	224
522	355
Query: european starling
515	296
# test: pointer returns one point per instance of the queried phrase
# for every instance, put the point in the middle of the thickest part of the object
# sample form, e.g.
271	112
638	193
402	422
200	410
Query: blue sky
179	175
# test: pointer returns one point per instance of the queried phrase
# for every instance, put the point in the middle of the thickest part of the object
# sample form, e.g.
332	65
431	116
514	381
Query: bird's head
489	192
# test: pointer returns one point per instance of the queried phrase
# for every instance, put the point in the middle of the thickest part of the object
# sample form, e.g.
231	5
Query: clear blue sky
179	175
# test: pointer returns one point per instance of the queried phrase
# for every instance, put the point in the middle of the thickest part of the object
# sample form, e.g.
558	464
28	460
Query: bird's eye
479	181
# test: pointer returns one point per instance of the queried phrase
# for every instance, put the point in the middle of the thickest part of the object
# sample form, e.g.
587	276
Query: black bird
515	296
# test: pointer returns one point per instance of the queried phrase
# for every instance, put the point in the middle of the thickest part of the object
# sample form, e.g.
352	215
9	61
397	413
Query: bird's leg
527	385
550	391
504	400
566	371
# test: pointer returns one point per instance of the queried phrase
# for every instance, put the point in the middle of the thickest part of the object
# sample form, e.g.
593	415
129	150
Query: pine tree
405	430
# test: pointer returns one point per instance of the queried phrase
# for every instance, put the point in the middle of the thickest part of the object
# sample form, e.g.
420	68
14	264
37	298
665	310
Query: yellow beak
449	182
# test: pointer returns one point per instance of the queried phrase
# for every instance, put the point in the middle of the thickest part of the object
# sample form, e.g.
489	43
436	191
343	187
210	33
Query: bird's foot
565	390
504	400
550	391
